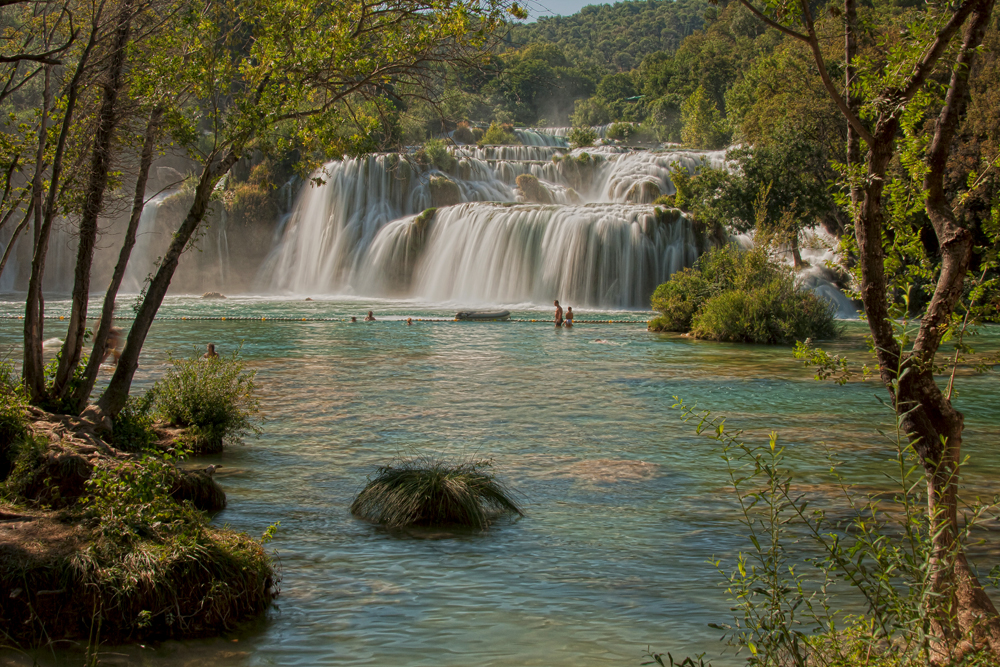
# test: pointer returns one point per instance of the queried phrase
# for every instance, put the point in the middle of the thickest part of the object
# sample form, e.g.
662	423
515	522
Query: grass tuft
420	492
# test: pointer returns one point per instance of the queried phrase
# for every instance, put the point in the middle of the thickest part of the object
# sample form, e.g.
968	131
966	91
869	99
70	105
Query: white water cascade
593	238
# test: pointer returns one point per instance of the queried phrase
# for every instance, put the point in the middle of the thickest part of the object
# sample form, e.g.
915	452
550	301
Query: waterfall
594	240
142	260
609	255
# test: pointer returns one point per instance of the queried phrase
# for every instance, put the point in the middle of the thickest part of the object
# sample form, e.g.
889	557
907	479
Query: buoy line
264	318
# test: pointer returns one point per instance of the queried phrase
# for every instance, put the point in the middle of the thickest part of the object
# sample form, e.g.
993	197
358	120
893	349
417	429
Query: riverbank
99	545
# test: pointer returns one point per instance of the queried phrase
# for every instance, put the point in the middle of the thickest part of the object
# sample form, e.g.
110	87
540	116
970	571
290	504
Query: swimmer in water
353	319
211	353
559	313
370	317
112	345
569	318
409	321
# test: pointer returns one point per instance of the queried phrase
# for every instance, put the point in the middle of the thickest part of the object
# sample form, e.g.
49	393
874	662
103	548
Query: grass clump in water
743	296
425	493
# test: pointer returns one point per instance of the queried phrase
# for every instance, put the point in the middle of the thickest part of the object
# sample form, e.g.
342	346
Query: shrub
133	427
430	493
741	296
13	417
678	299
498	134
841	578
581	137
463	134
621	131
215	398
439	155
775	313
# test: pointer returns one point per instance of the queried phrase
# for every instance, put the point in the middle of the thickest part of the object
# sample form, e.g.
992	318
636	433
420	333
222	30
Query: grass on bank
120	556
419	492
737	295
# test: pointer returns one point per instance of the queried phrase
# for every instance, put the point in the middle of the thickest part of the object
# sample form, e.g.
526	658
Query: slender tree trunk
34	307
82	392
97	184
853	101
34	314
17	232
114	397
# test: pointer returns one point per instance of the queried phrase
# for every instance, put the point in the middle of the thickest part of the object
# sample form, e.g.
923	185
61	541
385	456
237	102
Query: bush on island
213	398
463	134
499	135
419	492
581	137
744	296
439	155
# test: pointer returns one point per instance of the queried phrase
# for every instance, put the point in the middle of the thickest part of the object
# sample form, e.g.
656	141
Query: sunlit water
625	504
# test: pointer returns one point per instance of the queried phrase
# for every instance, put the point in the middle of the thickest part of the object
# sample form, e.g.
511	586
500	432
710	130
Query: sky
538	8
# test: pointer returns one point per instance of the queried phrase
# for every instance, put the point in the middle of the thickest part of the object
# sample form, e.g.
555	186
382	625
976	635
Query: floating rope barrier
265	318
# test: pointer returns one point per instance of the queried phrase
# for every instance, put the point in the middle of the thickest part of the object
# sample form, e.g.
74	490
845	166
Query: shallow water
625	504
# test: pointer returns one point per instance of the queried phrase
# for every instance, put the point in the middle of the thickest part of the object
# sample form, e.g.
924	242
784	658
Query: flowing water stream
626	505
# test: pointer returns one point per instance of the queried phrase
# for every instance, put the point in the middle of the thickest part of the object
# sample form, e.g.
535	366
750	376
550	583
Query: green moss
444	192
533	190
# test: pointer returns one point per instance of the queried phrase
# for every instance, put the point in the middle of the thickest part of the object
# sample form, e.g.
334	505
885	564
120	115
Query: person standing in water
569	317
211	353
559	313
370	317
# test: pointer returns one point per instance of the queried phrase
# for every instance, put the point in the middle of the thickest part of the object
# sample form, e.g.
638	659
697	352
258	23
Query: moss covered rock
533	190
444	192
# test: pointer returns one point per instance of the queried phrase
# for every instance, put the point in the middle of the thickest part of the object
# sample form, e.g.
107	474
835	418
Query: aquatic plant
420	492
215	398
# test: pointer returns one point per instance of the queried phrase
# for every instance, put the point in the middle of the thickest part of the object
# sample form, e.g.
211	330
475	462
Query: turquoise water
625	504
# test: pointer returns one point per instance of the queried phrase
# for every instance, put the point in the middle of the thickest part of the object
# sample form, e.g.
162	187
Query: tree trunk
17	232
34	308
33	369
97	183
82	392
853	101
114	397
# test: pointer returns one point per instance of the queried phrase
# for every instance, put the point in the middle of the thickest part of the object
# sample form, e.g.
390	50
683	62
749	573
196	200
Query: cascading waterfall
593	238
609	255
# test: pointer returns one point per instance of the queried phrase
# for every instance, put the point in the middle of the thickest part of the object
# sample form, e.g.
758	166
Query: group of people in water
561	320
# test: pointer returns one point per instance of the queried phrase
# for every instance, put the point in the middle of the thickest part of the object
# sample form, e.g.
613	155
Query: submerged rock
213	295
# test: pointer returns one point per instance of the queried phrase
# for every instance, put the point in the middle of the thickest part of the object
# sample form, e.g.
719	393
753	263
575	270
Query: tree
881	90
319	70
701	123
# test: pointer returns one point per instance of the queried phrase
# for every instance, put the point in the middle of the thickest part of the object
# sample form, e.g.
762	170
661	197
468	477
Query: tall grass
419	492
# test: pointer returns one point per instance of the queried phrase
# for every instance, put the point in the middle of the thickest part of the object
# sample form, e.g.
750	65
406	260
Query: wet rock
533	190
643	193
213	295
444	192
